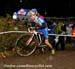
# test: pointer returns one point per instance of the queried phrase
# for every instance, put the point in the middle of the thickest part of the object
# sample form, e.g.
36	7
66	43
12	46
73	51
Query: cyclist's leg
45	33
49	44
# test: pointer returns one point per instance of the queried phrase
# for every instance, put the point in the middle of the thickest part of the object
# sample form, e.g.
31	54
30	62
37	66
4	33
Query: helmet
30	13
34	10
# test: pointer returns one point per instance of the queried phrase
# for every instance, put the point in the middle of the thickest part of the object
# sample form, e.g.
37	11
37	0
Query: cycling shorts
44	31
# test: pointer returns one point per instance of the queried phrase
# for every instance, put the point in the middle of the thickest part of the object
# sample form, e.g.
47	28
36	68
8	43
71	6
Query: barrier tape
60	35
60	18
28	32
13	32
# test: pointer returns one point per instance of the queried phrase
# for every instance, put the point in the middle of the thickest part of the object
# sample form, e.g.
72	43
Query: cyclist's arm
40	23
44	25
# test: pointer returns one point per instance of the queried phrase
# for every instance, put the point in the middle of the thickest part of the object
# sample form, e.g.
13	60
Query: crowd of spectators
62	28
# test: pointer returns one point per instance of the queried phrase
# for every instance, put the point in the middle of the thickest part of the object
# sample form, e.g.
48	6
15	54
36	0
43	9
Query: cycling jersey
42	26
40	23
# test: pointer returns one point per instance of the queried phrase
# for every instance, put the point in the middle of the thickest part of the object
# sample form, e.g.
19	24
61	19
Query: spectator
52	31
73	33
61	41
52	28
69	32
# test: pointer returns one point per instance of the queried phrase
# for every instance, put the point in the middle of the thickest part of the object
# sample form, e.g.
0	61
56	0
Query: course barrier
28	32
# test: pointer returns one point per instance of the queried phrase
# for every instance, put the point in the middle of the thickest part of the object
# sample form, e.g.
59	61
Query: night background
52	7
11	32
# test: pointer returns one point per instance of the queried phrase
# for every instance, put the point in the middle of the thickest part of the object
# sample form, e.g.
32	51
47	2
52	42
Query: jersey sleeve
39	21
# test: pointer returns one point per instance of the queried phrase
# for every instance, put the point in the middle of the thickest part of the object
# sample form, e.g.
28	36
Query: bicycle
28	43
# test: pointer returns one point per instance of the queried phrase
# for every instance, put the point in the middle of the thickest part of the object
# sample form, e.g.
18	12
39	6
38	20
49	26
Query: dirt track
61	60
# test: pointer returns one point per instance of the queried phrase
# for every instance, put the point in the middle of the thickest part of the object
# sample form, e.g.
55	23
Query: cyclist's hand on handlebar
37	26
31	29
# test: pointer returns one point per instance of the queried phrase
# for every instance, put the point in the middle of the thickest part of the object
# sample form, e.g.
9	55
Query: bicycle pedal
43	50
43	46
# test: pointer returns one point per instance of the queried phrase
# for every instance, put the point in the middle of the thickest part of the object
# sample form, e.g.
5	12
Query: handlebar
32	30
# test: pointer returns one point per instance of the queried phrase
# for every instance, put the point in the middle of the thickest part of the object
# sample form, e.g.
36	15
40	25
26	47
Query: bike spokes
24	49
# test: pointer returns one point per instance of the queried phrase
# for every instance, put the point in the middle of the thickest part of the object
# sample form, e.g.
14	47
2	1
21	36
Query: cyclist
41	26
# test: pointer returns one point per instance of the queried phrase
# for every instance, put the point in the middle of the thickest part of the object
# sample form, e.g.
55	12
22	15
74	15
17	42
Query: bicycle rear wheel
22	48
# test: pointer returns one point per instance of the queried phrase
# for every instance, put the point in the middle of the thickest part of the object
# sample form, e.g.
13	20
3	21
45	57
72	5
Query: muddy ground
61	60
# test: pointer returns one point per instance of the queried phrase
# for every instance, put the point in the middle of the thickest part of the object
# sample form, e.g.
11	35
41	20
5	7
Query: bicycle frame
34	40
29	40
38	34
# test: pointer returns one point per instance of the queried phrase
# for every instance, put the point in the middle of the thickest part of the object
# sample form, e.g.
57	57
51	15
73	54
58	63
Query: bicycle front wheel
22	48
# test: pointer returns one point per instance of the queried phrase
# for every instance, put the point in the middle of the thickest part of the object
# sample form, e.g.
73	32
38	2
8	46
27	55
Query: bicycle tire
20	45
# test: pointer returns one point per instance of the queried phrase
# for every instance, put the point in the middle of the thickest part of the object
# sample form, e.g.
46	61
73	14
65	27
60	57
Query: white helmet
30	13
34	10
